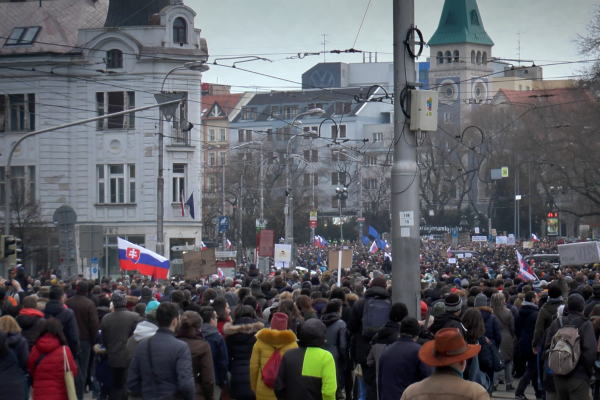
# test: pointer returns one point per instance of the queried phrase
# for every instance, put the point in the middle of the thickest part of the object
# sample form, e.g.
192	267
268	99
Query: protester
12	372
162	365
335	341
506	322
55	308
278	338
451	317
218	349
525	325
46	362
30	320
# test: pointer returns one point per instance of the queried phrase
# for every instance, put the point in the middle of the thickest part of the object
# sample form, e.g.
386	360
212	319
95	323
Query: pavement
500	393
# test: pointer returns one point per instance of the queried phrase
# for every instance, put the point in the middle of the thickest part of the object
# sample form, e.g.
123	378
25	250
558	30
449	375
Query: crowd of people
299	335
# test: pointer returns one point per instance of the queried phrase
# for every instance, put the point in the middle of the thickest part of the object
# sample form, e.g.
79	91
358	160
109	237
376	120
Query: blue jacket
172	373
400	367
524	329
219	353
492	328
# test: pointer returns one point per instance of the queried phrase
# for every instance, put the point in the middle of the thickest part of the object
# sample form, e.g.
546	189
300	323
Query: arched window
179	31
456	56
484	57
440	57
114	59
448	56
478	57
472	56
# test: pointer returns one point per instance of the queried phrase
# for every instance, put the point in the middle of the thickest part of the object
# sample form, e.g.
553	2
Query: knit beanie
379	281
576	303
481	300
398	312
453	303
554	292
146	292
377	273
410	327
438	309
151	306
279	321
118	299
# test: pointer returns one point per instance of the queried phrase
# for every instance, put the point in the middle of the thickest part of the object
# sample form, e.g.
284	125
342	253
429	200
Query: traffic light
11	250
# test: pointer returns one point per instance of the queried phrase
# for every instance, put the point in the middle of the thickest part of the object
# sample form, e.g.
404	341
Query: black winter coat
492	327
336	343
30	325
362	344
56	309
447	320
240	338
590	304
11	374
524	329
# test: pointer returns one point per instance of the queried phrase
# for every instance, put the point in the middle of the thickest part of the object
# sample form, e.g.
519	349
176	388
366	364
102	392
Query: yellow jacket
266	342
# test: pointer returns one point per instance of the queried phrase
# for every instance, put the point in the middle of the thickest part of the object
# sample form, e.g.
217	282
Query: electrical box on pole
423	110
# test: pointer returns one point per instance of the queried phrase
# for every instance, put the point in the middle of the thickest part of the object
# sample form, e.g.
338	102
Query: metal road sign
183	248
225	254
223	224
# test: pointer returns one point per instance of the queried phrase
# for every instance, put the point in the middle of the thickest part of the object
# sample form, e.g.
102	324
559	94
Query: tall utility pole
405	175
223	237
239	246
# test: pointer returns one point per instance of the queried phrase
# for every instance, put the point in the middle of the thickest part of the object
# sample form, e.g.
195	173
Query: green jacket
544	319
306	373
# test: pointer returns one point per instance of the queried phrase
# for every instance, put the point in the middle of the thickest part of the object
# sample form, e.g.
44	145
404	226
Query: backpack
565	349
271	368
375	315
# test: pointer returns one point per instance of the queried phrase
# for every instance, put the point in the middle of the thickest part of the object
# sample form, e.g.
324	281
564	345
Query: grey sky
273	27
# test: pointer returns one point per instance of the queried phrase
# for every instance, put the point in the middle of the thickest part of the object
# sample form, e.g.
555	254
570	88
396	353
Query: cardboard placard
199	263
579	253
334	259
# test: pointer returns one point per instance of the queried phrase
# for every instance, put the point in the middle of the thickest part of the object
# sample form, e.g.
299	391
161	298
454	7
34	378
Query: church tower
460	52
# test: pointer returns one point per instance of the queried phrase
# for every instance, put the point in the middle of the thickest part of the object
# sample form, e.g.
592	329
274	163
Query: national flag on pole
190	204
534	237
204	247
373	248
449	252
182	208
381	244
132	257
366	240
228	244
325	242
525	270
221	274
318	242
387	255
373	232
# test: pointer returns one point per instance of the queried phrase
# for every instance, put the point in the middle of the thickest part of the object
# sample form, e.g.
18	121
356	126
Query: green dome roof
460	23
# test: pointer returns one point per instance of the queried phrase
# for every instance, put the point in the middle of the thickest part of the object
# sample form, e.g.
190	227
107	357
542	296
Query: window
181	137
275	111
335	204
211	135
370	184
248	135
440	58
338	178
270	157
222	158
249	113
290	112
478	57
23	36
22	184
212	159
377	137
222	135
308	130
212	183
335	134
448	118
178	182
17	112
337	155
484	57
456	56
310	179
270	135
311	155
370	160
116	183
240	135
343	108
473	59
179	31
113	102
114	59
448	56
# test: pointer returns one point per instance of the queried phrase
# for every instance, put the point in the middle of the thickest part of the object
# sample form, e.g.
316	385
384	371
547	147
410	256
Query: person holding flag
134	257
534	238
373	248
525	271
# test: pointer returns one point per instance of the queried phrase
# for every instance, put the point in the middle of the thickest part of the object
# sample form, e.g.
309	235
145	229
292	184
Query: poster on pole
199	263
334	257
283	255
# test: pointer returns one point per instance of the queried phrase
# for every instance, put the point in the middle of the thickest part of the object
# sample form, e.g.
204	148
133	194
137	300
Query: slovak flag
387	255
449	252
319	241
228	243
182	206
132	257
525	270
534	237
373	248
221	274
204	247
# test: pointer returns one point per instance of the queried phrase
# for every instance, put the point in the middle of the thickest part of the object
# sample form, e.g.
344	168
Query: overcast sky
276	29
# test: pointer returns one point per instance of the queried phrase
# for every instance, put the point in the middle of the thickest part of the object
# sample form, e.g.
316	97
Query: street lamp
289	212
167	112
341	194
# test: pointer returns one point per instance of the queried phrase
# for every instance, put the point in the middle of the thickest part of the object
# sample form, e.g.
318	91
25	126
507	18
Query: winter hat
438	309
306	285
380	281
146	292
377	273
229	281
465	283
398	312
296	286
279	321
554	292
537	286
314	280
423	309
118	299
252	267
410	327
576	303
457	282
136	293
480	300
152	305
596	290
453	303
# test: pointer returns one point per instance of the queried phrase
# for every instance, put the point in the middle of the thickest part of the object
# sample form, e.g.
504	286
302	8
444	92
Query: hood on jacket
312	333
54	307
144	330
31	312
486	312
12	338
388	334
208	330
443	319
232	299
245	325
330	318
276	338
377	291
47	343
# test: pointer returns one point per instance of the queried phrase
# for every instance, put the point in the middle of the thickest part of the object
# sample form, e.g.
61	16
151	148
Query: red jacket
49	376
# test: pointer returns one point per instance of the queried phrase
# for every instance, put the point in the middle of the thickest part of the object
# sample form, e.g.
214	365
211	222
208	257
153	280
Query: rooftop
460	23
